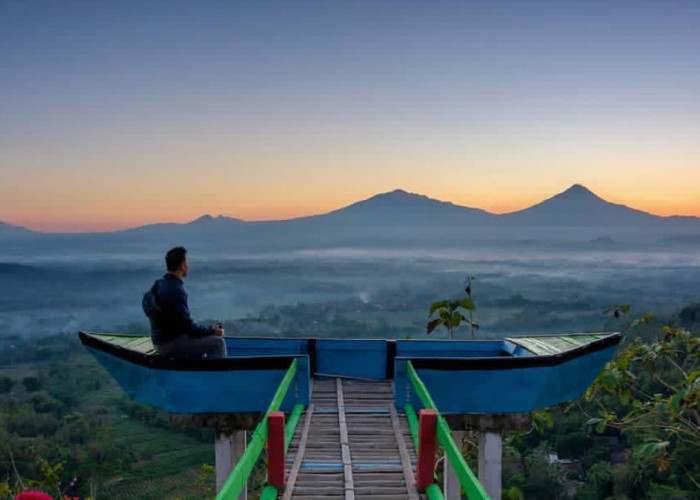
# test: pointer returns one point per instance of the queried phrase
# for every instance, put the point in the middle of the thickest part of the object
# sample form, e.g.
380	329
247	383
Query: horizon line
220	215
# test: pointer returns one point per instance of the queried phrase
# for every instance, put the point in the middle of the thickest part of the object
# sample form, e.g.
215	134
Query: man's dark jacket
165	304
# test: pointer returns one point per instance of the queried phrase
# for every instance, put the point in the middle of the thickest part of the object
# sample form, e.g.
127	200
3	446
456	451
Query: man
173	332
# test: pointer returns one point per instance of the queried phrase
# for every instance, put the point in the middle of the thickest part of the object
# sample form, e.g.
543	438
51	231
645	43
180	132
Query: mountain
206	224
402	208
579	206
8	230
394	219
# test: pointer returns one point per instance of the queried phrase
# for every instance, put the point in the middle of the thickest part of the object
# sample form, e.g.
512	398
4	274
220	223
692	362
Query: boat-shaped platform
512	375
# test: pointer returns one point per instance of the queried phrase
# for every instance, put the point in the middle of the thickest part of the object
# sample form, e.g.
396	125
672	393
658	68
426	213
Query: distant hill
204	225
8	230
402	208
393	219
579	206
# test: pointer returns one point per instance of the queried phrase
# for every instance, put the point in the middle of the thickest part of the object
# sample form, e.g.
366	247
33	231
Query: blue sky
151	111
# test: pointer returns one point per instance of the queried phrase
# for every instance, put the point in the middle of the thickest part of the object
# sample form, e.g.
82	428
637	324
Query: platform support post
490	428
452	490
228	449
490	462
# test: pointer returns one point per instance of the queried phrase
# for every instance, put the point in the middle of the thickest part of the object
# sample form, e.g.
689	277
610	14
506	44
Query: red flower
33	495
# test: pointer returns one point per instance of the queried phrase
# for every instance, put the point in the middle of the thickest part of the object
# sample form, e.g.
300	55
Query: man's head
176	261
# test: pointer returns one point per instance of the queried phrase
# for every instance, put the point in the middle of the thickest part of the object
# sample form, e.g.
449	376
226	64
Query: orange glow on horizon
92	222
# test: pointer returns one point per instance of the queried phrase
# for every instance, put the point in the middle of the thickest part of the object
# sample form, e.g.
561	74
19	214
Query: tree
655	389
31	383
6	384
450	315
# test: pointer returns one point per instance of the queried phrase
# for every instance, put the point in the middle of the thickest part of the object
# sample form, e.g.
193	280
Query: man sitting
173	332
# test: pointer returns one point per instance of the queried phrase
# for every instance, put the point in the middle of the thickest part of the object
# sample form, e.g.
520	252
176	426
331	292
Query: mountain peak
579	190
210	219
398	194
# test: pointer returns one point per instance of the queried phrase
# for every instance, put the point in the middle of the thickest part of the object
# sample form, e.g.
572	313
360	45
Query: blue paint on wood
239	347
179	391
493	388
352	358
450	348
513	390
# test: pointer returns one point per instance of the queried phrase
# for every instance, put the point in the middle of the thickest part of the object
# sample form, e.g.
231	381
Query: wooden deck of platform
351	444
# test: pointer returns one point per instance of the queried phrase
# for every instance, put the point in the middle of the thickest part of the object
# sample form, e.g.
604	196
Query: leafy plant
656	396
206	480
451	313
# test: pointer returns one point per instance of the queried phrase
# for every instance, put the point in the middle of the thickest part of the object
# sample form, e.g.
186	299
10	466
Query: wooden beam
405	459
299	458
349	486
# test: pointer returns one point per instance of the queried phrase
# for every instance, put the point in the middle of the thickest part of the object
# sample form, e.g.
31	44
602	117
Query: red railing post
425	469
275	449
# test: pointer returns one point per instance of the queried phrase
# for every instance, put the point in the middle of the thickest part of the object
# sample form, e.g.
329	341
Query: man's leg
209	347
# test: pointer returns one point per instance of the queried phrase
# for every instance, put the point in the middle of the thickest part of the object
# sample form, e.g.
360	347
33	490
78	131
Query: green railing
471	485
239	477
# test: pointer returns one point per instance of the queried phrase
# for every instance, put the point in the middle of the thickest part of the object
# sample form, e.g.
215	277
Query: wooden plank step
356	445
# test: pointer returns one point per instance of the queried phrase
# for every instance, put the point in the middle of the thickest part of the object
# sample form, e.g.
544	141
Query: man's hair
175	257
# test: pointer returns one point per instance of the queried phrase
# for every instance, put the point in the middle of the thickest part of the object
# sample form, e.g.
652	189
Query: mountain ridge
575	206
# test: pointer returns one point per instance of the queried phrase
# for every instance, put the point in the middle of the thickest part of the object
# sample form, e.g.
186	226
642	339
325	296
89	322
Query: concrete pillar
451	489
228	449
490	462
491	428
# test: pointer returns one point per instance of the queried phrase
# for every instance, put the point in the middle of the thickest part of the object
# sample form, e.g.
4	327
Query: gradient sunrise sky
117	114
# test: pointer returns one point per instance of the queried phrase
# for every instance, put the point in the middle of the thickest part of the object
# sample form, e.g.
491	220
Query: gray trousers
184	347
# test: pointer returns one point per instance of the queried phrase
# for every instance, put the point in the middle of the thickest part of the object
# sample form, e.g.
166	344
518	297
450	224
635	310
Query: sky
119	114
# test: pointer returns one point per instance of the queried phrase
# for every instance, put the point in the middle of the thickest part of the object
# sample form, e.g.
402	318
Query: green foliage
6	384
651	393
689	316
542	419
543	480
76	434
6	492
658	386
512	493
450	313
31	384
206	481
599	482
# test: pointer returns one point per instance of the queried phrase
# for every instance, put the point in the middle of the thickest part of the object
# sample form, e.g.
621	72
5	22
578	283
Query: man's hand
219	330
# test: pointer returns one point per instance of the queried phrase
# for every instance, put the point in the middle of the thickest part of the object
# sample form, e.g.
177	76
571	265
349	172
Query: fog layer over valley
370	269
350	291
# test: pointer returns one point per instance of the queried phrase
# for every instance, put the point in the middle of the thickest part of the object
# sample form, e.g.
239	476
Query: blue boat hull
191	389
493	376
509	390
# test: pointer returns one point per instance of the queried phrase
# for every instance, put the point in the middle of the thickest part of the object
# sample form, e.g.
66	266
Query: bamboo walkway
351	445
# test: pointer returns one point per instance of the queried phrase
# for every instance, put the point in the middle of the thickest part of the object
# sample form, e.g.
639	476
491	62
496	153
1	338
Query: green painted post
472	487
238	478
292	424
412	424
